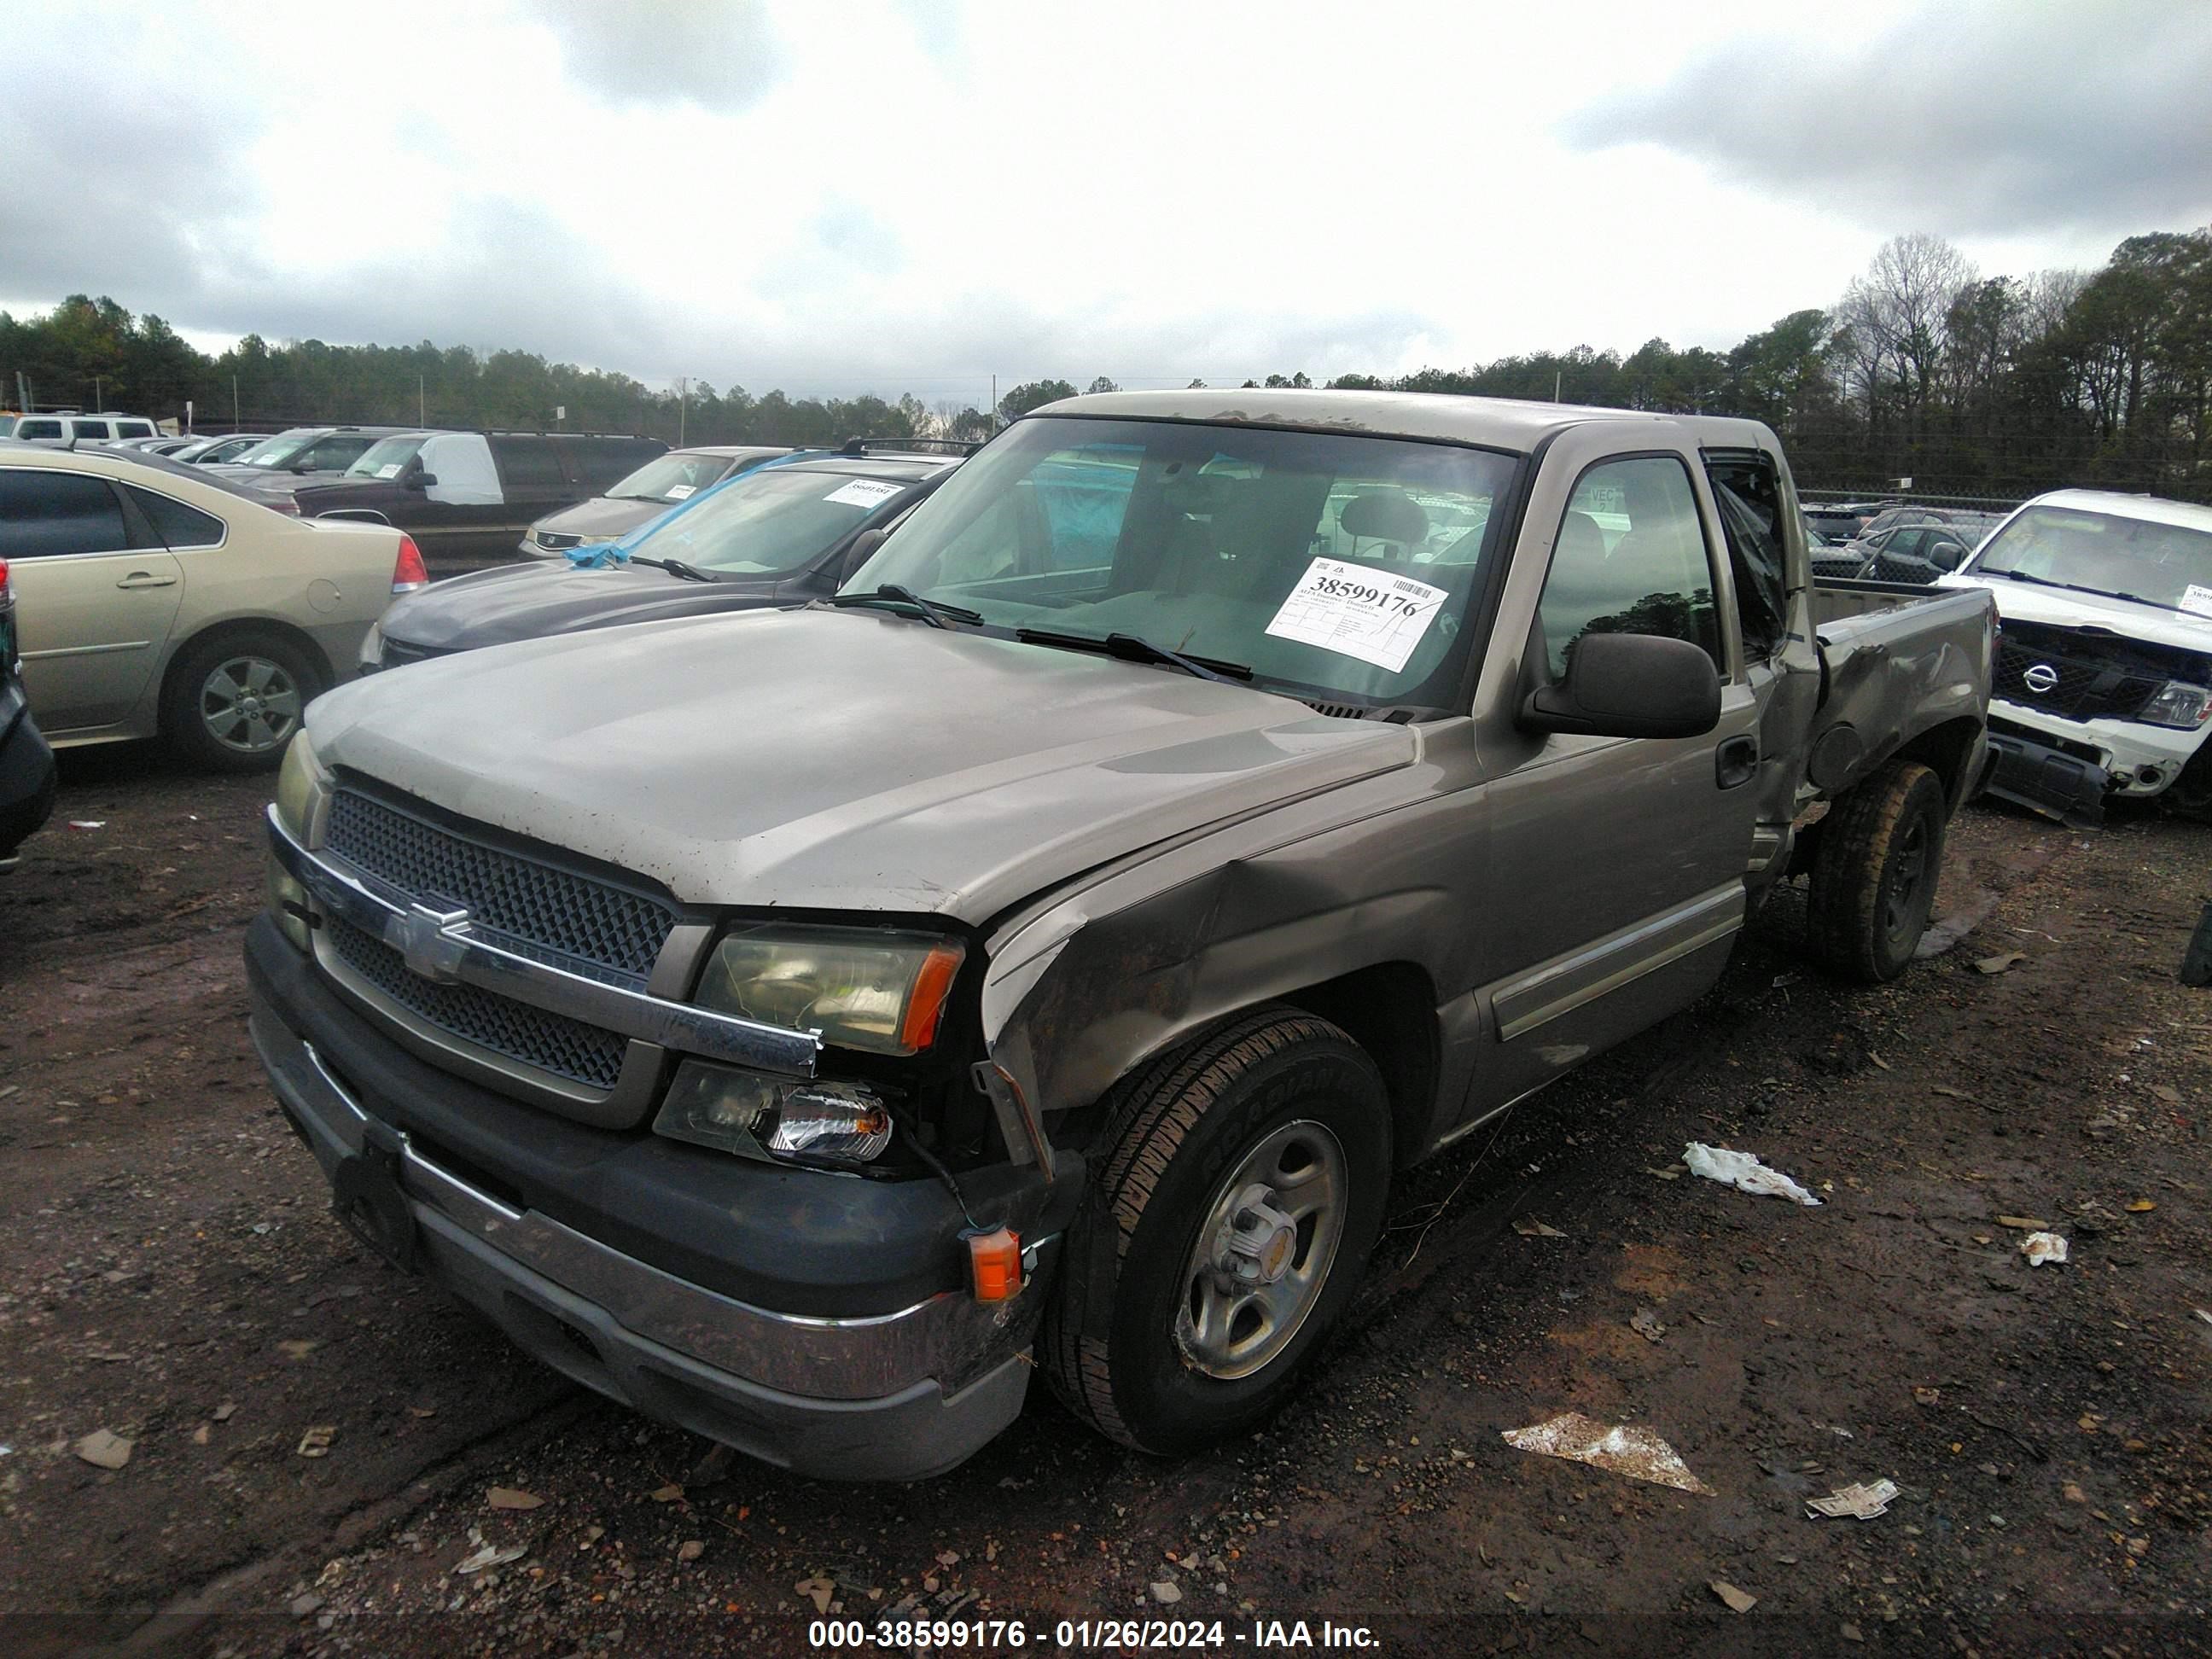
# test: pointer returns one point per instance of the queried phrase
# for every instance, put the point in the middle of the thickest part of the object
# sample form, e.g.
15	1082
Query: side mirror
1947	555
302	466
419	480
862	549
1629	685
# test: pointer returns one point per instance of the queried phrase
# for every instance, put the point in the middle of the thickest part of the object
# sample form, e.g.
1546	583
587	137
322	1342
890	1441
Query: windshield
763	522
1338	567
386	458
675	476
276	452
2160	564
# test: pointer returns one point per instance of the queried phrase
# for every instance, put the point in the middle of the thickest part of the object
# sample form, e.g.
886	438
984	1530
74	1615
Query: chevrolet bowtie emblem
431	941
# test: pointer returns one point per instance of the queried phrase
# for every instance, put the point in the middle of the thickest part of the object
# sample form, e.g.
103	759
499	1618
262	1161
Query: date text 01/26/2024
1011	1635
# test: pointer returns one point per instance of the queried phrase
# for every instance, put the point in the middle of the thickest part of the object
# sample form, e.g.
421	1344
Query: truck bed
1898	661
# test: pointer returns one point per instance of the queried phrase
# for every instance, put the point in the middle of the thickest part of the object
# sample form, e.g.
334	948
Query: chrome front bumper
893	1396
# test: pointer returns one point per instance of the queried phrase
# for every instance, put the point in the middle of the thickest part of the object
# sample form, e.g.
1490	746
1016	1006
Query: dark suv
466	497
27	765
301	453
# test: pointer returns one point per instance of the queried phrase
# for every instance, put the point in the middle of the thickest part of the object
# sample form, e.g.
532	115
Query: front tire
1240	1192
1874	876
233	703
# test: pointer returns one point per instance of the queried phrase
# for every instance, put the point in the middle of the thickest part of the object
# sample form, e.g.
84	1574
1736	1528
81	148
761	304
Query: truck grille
553	541
576	922
551	1042
2085	687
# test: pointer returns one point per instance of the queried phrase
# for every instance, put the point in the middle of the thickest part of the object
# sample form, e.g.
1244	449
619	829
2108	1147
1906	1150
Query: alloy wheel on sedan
250	705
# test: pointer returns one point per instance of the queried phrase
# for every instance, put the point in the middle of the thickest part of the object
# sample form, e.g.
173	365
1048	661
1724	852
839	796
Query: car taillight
408	575
4	579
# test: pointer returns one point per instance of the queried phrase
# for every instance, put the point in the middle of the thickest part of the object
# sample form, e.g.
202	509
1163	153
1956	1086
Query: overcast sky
832	196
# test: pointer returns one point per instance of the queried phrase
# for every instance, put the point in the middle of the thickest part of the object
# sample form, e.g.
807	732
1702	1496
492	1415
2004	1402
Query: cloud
1998	119
721	55
129	196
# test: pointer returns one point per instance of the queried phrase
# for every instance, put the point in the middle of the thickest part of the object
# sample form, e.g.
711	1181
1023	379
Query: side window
133	429
90	432
528	462
39	429
175	523
1748	492
1630	559
50	515
334	454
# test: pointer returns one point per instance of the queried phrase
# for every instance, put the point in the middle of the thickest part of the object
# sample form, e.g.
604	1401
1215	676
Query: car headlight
303	787
2179	703
790	1121
876	989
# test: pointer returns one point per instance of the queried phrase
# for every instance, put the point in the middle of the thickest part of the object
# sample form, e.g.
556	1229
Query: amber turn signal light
994	1264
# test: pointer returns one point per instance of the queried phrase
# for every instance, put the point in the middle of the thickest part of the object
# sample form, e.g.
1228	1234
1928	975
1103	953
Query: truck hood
2061	607
837	760
530	601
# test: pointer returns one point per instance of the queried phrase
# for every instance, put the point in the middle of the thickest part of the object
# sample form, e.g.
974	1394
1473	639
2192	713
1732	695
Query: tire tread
1151	1118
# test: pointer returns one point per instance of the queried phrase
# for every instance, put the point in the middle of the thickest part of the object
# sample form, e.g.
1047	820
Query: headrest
1580	540
1388	514
1203	494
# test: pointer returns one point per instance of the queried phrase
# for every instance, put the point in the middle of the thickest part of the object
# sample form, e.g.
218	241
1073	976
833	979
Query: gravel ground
169	1273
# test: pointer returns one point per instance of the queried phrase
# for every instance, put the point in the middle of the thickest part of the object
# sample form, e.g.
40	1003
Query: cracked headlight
2177	703
844	1124
876	989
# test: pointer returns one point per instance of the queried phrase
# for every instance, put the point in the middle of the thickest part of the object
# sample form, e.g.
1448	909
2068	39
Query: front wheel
1874	875
1241	1189
2190	794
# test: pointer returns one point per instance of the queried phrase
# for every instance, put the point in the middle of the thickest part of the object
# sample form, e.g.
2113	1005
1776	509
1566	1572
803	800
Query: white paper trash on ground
1862	1503
2039	1248
1622	1447
1742	1170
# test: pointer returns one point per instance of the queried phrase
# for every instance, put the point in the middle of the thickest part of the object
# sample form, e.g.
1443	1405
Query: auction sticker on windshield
863	492
677	492
2198	601
1357	612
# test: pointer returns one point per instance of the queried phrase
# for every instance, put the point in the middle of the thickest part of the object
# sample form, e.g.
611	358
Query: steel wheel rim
1228	1326
1908	870
250	705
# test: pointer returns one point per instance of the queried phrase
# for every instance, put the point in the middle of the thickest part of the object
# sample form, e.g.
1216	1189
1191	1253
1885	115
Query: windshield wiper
2076	587
933	612
1130	648
676	567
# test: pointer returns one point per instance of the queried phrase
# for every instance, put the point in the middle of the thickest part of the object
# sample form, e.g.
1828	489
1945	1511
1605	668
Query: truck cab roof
1503	423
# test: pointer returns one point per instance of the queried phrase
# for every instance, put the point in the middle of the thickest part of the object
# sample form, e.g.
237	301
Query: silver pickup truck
1043	954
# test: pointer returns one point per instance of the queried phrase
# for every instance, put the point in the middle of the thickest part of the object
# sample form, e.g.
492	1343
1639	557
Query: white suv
2103	684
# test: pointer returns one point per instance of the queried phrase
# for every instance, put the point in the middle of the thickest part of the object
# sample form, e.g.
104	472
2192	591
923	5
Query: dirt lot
169	1273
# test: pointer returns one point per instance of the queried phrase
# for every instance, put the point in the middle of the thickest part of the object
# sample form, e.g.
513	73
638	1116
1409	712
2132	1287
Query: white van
85	428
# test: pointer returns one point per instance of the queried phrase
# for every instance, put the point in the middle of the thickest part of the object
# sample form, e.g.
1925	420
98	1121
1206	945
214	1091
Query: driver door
1616	875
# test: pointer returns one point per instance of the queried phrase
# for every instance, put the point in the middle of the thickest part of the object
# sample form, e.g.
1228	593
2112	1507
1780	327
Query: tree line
1923	368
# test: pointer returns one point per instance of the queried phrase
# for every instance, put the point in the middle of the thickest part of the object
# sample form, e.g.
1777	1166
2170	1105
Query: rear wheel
1241	1188
1873	877
233	703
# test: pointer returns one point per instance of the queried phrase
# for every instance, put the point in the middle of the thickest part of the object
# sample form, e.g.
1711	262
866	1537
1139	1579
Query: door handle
146	579
1735	762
